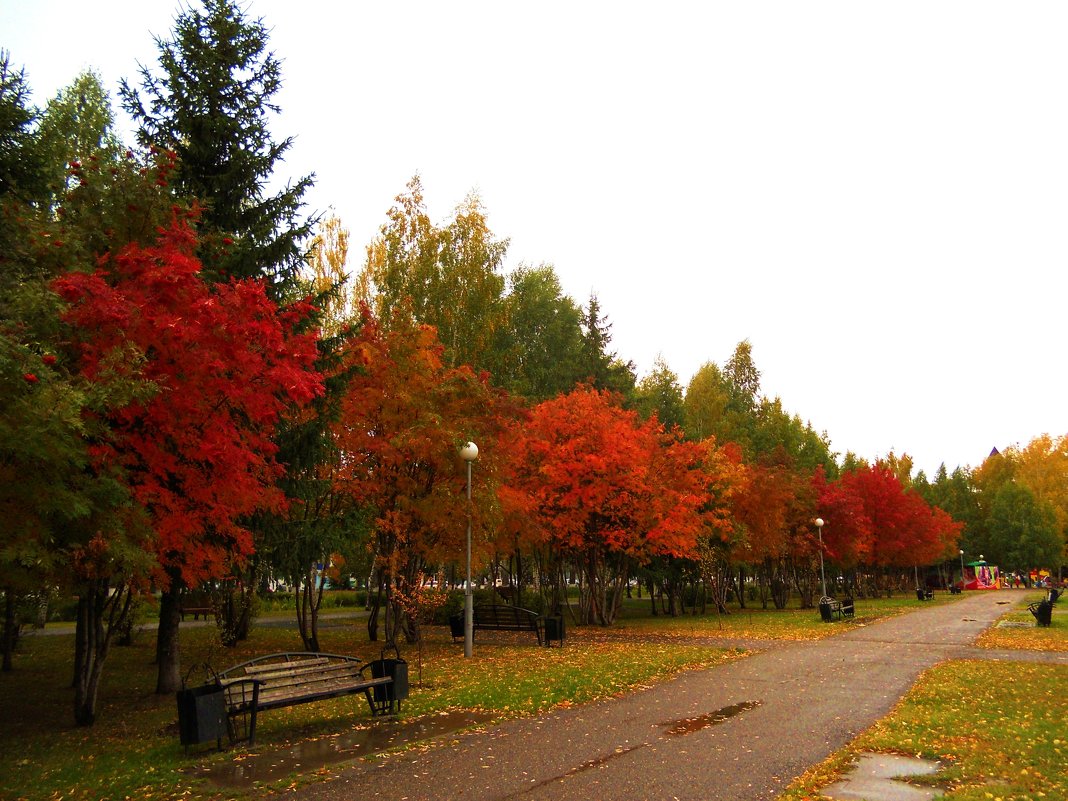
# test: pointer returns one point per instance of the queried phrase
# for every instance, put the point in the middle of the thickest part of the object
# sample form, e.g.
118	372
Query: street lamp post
962	571
819	531
469	453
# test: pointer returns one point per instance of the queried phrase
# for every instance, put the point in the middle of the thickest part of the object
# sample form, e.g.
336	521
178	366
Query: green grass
792	623
1030	637
998	726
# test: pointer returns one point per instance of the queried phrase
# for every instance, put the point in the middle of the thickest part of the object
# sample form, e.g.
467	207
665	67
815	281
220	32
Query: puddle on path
677	728
315	754
882	777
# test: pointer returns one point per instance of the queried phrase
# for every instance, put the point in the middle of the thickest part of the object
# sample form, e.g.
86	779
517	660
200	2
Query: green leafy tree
77	125
539	348
210	105
68	522
448	276
49	499
955	494
472	260
705	404
21	163
777	429
1043	467
1022	530
723	402
660	393
743	377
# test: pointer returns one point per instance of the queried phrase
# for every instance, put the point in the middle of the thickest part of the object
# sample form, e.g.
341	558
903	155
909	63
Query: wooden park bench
195	604
924	594
287	679
832	609
499	617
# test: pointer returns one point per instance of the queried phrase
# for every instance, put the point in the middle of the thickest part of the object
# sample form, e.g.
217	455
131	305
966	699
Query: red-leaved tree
226	363
606	490
904	530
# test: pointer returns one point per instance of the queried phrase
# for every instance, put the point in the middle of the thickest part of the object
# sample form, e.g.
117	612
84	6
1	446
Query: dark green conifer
210	104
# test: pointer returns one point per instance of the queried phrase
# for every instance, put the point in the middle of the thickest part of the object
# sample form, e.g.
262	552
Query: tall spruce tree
602	368
21	169
210	104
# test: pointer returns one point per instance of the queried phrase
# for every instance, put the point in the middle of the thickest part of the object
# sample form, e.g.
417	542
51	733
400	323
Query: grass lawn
998	726
754	623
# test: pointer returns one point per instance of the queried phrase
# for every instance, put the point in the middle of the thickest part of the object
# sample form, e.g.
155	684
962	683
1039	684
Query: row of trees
197	395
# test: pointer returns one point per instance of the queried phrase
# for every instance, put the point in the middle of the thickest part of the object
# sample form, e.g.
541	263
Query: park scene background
212	399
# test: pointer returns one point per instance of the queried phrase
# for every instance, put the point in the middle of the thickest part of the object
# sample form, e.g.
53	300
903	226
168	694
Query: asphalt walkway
741	731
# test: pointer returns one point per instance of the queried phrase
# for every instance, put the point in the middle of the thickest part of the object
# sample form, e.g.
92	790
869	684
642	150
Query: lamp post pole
962	571
469	453
819	531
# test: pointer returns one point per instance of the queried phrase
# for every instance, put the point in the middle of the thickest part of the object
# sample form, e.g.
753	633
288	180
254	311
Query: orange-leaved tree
404	419
606	492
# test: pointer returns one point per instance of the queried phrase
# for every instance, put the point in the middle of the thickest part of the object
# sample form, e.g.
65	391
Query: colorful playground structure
981	576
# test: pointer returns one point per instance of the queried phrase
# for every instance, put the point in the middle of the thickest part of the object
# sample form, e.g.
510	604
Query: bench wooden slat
279	667
283	683
501	617
297	674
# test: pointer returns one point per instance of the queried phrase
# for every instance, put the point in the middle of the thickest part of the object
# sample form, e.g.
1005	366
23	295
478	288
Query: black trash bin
389	696
553	629
456	625
827	605
202	715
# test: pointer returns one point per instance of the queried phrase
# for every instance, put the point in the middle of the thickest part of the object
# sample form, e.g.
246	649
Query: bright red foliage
610	491
904	530
226	363
848	537
596	477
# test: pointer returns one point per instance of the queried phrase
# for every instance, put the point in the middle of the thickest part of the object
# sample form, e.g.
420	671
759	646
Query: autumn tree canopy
403	419
606	489
225	364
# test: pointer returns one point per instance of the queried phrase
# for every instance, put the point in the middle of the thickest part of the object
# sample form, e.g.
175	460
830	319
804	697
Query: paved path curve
778	713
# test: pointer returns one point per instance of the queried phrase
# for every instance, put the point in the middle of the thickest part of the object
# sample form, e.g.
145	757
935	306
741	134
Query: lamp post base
469	627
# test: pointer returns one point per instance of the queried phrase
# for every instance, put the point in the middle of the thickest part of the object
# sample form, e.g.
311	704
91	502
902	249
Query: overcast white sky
874	194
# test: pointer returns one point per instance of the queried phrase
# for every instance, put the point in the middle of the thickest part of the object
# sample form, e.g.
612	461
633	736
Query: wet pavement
309	756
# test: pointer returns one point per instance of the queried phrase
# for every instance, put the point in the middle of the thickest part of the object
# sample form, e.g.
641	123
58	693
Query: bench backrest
291	668
503	615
